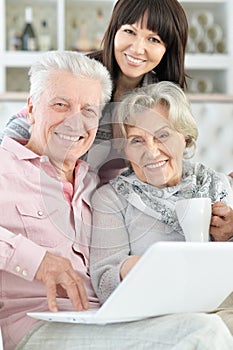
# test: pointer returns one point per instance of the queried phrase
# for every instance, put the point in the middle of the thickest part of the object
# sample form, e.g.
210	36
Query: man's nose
75	122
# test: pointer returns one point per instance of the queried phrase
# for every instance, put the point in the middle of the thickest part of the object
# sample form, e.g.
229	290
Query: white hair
73	62
163	93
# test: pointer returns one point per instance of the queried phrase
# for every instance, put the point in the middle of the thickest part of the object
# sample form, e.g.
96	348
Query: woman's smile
155	165
133	60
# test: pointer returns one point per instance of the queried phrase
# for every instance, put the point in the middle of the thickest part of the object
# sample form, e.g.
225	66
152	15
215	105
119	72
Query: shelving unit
59	14
213	66
65	15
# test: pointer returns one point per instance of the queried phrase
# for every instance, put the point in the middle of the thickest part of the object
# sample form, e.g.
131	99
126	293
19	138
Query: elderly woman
46	220
156	131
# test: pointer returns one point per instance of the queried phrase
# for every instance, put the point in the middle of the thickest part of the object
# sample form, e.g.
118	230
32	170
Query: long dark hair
165	17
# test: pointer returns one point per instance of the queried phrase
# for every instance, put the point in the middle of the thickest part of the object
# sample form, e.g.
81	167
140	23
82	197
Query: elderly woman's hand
221	225
59	277
128	264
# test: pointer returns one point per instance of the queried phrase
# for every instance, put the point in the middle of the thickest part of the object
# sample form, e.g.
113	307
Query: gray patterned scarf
197	181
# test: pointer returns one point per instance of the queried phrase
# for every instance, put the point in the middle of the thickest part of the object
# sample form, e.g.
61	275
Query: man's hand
60	278
221	225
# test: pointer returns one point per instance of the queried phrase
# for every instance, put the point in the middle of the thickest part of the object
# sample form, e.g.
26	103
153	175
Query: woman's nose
153	148
138	45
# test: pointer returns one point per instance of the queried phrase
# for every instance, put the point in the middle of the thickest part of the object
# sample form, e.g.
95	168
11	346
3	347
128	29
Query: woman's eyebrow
146	130
165	126
135	28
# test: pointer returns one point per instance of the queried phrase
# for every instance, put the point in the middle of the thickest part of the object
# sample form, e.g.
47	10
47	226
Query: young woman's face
154	149
137	50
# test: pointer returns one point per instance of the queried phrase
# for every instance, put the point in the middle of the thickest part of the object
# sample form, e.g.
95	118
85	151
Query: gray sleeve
228	183
17	127
109	243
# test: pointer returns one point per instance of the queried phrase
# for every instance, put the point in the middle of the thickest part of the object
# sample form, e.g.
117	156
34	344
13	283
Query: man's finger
74	287
51	291
81	288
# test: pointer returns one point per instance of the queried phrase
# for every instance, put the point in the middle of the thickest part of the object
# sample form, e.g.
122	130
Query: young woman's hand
221	225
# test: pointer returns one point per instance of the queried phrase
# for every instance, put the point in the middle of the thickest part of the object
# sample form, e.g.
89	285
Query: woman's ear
30	116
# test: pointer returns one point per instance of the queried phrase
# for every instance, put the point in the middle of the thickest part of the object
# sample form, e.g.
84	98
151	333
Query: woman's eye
154	40
135	141
129	31
162	137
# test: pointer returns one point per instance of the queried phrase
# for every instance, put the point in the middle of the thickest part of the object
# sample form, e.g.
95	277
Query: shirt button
43	159
24	273
40	213
17	268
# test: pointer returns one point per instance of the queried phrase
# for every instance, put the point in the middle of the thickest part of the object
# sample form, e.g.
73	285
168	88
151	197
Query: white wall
215	141
7	109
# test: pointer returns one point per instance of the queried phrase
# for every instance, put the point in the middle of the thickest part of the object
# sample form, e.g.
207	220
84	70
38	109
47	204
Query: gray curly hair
164	93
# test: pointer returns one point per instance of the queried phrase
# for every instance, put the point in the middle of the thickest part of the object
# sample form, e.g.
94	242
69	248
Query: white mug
194	217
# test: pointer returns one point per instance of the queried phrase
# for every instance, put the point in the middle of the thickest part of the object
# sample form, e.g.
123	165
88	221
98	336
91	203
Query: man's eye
89	112
60	104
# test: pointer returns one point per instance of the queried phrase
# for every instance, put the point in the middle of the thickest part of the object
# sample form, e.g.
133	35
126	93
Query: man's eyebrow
92	105
60	98
70	100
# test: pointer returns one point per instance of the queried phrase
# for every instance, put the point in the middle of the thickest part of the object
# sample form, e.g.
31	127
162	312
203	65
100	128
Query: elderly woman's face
154	149
65	120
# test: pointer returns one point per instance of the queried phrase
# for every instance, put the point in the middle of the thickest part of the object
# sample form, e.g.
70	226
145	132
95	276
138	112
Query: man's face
65	119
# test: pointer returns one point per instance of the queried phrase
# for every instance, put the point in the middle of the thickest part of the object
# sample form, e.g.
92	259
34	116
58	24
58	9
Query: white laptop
171	277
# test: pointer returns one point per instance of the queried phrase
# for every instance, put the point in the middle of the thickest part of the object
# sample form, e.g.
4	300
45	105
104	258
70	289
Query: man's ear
30	116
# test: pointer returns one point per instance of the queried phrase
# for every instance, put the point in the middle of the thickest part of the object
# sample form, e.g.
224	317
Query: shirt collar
17	147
